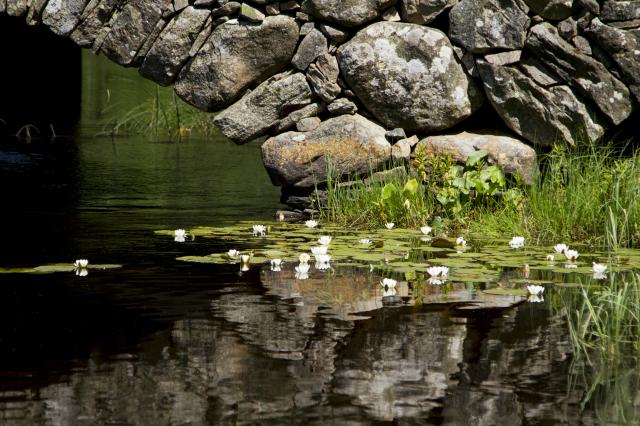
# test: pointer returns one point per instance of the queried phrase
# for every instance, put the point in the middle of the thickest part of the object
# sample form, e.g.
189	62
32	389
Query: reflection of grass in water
162	113
604	327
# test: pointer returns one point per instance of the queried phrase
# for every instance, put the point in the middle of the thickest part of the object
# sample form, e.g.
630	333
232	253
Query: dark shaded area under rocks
366	82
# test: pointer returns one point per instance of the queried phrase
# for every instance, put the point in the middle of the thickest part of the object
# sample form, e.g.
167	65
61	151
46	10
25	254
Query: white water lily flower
535	298
535	289
364	241
244	267
324	240
82	272
438	271
302	268
179	235
319	250
461	242
599	276
389	292
390	225
388	282
245	259
571	254
599	268
311	223
81	263
233	253
323	258
426	230
304	258
259	229
560	248
550	257
322	266
301	275
435	281
516	242
276	263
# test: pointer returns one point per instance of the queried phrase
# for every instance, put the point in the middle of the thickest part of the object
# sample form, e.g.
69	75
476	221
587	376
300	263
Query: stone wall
362	81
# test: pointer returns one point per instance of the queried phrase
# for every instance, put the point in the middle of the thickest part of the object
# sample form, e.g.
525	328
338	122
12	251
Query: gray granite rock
171	49
484	25
251	14
623	47
588	76
257	112
422	12
514	156
342	106
544	116
323	77
312	45
620	10
252	53
348	13
93	20
407	76
133	25
308	124
62	16
334	34
554	10
352	143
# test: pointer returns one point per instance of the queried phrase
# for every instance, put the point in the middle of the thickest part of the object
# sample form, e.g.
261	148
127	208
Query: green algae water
177	333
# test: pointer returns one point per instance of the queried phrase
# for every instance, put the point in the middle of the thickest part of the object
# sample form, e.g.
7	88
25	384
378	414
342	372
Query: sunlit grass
587	195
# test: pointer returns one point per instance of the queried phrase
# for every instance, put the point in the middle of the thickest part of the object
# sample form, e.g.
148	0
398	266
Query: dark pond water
163	342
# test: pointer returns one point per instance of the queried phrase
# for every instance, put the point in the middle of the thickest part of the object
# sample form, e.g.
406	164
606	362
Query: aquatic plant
516	242
571	254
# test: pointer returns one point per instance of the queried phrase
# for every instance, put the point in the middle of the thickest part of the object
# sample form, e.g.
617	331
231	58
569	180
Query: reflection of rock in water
400	365
291	355
515	371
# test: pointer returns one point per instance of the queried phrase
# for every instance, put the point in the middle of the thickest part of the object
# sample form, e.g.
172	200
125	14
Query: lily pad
506	291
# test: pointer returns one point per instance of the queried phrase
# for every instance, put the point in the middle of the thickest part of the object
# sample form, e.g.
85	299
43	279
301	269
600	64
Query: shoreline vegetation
586	195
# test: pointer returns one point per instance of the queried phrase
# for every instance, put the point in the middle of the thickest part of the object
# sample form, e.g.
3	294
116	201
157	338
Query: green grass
161	113
604	330
587	195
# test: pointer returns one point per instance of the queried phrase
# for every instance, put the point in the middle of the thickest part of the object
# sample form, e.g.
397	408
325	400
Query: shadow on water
164	342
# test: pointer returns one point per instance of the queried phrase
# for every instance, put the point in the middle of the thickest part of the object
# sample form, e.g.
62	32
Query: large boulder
484	25
407	75
543	116
588	76
255	113
350	13
353	144
235	57
423	11
130	30
171	49
624	49
515	157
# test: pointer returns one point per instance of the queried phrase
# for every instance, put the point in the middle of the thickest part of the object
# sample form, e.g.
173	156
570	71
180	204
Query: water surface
165	342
